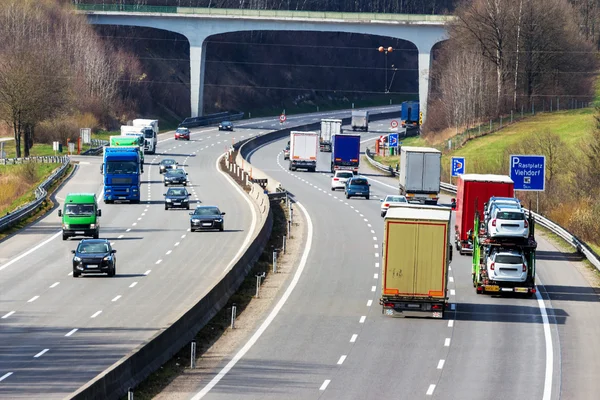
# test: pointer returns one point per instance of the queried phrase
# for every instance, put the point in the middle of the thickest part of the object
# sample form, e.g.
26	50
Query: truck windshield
122	167
149	134
79	209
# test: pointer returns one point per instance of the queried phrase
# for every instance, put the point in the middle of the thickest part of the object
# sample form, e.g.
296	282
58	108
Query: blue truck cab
409	113
345	152
122	175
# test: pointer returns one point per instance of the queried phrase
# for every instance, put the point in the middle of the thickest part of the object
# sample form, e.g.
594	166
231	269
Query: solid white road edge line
28	252
549	346
271	316
252	210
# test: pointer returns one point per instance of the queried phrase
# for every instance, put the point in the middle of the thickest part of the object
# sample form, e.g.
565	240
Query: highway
330	340
57	332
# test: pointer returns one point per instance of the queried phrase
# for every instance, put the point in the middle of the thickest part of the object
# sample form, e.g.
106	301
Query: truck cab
121	169
80	215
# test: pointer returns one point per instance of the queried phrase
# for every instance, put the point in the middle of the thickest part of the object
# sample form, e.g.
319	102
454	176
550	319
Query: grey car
206	217
175	177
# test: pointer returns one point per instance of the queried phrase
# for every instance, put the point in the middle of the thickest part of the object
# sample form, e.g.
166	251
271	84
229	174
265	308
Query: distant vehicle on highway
390	200
226	126
94	256
177	197
358	186
166	164
206	217
338	181
80	215
182	133
175	177
286	152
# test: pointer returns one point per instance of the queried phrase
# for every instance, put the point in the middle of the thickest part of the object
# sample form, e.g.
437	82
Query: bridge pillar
424	71
197	68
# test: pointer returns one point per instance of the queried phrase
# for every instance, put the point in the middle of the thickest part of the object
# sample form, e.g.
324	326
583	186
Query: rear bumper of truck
303	164
407	307
353	168
423	198
496	287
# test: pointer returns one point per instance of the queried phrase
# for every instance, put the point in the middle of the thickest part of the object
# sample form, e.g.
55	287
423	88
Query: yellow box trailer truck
416	254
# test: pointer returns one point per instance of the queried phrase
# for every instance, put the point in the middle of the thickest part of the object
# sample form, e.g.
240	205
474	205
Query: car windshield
207	211
344	175
359	182
176	172
396	199
176	192
508	259
79	209
510	215
90	248
181	130
167	162
122	167
226	123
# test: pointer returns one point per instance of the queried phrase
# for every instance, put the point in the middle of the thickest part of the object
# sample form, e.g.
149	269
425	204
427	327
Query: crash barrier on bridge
192	122
41	193
581	247
132	369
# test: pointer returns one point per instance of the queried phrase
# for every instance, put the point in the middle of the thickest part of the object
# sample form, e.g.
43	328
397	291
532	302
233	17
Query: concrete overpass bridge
198	24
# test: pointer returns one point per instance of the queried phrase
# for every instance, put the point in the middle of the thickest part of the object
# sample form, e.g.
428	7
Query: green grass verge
42	210
395	159
38	150
42	171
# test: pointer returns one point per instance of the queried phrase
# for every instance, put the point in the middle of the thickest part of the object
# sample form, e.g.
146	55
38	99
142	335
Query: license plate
413	305
122	197
506	289
176	204
206	224
79	232
91	266
492	288
521	290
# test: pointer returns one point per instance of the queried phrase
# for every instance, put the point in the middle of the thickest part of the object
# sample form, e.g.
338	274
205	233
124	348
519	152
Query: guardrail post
130	394
283	246
233	315
274	261
258	278
289	228
193	355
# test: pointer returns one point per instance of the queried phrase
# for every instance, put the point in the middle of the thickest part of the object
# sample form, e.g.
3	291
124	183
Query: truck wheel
347	196
367	197
65	237
96	235
382	214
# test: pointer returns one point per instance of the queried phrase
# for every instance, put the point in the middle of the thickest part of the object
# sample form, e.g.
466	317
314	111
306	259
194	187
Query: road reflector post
193	355
258	279
233	315
283	246
289	227
130	394
274	261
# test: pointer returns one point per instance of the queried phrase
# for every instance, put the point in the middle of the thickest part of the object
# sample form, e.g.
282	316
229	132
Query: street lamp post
386	51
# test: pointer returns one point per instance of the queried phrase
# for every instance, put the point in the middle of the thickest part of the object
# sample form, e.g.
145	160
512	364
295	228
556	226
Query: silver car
390	200
508	223
507	266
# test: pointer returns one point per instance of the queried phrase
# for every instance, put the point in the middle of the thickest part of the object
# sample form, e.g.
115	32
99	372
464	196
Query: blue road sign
528	172
393	140
458	166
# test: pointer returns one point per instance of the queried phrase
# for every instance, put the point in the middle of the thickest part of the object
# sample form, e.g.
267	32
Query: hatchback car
182	133
507	266
357	186
166	164
390	200
226	126
338	181
509	223
175	177
94	256
206	217
177	197
286	152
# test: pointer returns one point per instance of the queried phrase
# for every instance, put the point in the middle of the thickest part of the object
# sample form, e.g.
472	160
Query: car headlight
195	220
184	200
65	226
76	259
107	258
92	226
168	200
219	220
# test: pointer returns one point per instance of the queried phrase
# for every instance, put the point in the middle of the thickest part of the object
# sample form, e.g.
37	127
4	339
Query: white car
507	266
508	223
500	202
390	200
339	179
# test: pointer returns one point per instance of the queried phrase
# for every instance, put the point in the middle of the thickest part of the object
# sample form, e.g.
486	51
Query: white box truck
329	128
420	173
304	147
150	131
360	120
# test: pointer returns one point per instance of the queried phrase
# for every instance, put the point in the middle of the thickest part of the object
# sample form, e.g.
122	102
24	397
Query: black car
94	256
175	177
166	164
226	126
177	197
206	217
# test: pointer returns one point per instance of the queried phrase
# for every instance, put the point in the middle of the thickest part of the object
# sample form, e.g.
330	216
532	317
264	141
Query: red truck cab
473	191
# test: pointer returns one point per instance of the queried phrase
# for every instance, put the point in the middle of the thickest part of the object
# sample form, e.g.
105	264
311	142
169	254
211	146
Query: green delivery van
80	215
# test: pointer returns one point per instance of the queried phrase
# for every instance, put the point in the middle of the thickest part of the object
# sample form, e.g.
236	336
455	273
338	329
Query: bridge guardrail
41	193
581	247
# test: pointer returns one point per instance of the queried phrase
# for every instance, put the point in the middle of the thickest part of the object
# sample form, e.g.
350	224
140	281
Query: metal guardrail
192	122
27	160
26	210
581	247
283	14
378	165
97	146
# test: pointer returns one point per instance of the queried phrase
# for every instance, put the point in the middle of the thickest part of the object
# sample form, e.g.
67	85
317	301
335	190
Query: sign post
528	172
